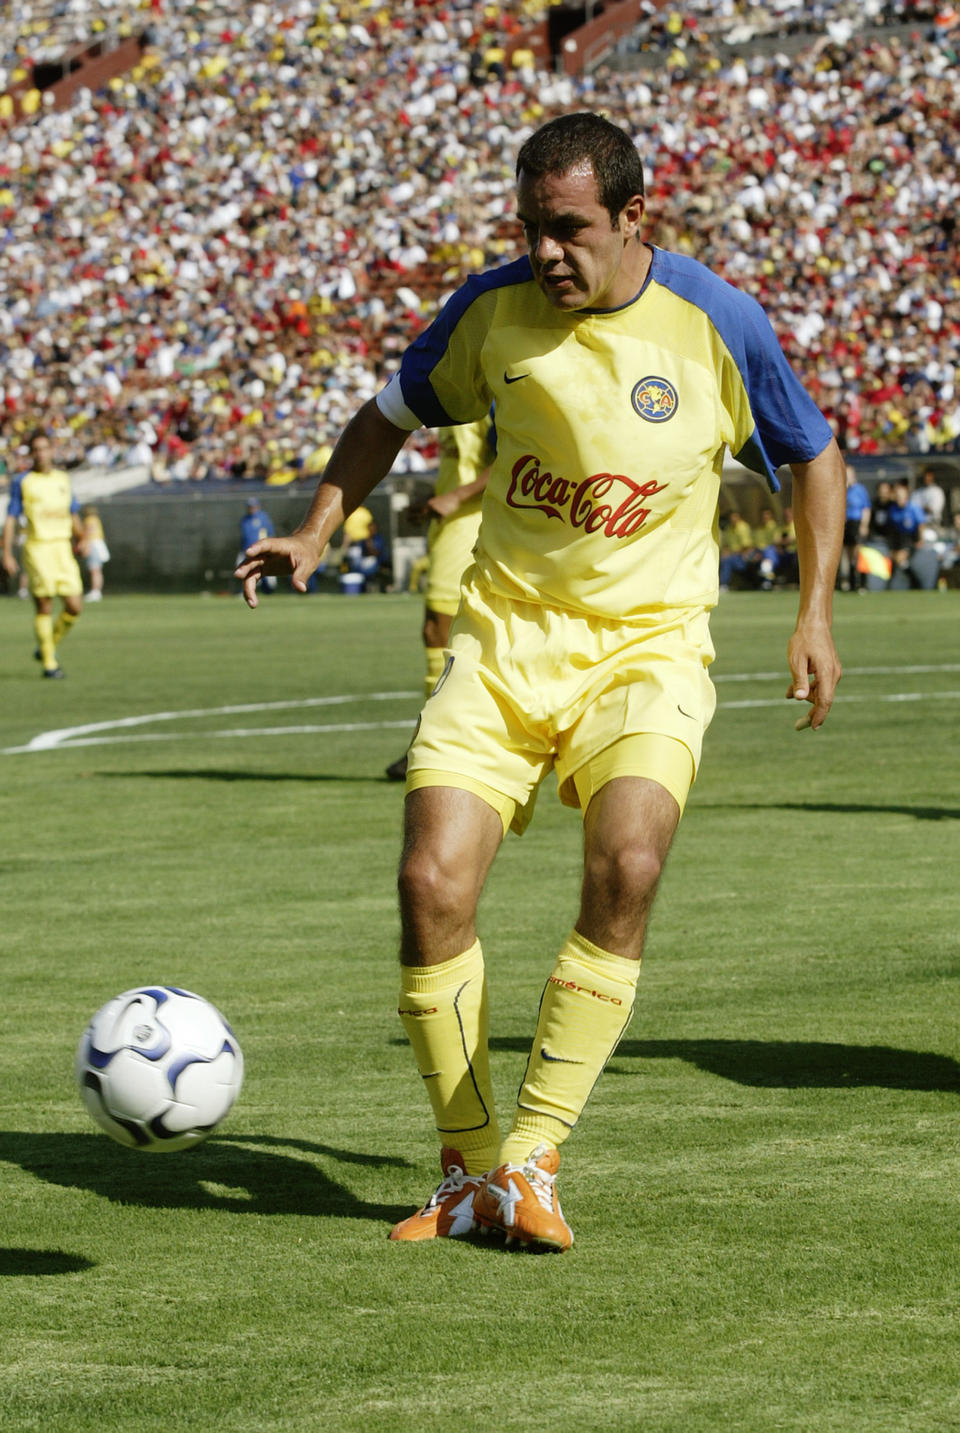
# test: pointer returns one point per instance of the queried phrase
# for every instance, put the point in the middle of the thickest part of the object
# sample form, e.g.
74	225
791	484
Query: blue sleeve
789	427
15	504
428	351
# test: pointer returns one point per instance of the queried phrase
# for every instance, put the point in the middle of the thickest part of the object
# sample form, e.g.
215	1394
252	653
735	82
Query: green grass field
764	1188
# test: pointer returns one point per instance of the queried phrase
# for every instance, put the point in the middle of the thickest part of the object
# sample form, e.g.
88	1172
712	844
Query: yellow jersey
466	451
611	429
47	504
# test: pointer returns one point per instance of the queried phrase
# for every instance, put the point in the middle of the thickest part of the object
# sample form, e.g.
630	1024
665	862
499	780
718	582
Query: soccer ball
158	1068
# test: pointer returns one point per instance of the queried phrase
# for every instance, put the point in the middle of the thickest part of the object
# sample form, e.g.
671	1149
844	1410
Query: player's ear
631	215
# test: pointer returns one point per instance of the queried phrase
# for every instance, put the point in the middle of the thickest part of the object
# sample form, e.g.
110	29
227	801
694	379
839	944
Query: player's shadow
185	774
238	1174
18	1262
791	1064
841	808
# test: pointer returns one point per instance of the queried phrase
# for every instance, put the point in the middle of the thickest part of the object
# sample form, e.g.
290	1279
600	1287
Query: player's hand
815	671
442	504
295	557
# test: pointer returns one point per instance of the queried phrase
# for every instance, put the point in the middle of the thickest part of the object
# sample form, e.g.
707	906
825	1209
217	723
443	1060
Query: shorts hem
505	806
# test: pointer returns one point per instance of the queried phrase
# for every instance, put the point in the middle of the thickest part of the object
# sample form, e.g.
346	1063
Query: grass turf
763	1188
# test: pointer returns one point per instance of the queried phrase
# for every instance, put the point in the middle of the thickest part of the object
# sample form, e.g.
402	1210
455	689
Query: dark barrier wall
185	542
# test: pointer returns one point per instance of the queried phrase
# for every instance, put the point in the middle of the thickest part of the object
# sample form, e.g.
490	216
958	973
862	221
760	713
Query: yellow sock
586	1006
436	658
64	622
446	1016
43	631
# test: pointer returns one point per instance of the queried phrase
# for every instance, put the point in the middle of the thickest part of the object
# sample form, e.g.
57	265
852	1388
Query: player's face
41	453
580	259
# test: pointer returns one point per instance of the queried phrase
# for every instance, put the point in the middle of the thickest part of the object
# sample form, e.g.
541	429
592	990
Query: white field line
849	671
65	736
95	733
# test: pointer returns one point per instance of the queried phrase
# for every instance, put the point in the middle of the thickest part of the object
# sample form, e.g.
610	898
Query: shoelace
451	1183
541	1183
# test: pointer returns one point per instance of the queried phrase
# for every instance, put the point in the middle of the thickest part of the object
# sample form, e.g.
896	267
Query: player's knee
430	886
625	874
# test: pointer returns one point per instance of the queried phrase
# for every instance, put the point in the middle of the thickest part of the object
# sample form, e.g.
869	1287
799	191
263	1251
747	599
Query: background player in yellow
97	552
620	374
44	498
466	452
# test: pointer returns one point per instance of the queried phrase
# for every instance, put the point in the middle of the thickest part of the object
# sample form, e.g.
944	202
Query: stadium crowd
207	265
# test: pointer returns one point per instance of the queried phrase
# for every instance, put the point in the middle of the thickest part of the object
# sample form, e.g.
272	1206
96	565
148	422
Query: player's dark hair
564	143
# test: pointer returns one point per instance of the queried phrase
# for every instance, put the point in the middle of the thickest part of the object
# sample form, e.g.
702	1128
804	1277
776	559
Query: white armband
391	405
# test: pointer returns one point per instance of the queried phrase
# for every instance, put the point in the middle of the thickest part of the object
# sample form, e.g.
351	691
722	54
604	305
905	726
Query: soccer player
466	452
620	374
97	553
52	514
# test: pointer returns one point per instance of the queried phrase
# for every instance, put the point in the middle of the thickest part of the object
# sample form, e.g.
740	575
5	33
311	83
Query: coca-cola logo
610	503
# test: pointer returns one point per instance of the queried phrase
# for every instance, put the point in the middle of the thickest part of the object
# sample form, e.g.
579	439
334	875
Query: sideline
96	733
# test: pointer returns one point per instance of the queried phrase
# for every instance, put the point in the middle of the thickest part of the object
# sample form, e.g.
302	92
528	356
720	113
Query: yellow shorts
52	570
450	545
528	687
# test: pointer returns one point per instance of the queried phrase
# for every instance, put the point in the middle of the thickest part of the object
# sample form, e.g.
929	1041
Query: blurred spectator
254	526
904	526
856	528
930	498
736	545
879	525
366	558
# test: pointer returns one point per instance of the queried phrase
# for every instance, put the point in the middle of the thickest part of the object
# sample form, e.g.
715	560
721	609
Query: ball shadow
20	1262
234	1174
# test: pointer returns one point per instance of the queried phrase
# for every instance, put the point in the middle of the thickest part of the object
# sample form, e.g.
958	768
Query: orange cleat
521	1201
448	1213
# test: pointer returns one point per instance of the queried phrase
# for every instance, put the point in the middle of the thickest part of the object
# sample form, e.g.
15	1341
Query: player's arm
363	457
81	541
9	536
819	507
445	504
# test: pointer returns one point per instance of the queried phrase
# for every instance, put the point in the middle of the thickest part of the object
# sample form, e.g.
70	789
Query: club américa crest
655	399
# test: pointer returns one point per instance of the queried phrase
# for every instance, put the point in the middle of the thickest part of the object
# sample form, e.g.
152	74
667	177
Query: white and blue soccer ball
159	1068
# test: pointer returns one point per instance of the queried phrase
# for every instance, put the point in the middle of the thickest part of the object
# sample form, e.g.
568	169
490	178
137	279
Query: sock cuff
427	979
601	962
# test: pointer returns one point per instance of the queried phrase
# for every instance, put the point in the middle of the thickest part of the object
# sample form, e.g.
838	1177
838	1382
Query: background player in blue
856	526
255	525
620	375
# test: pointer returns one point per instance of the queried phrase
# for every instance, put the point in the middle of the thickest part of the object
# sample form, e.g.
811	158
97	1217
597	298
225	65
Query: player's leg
45	649
69	613
629	823
451	837
449	552
436	635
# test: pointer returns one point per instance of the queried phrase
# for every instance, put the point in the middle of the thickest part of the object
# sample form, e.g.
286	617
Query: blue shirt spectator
256	525
858	501
903	518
